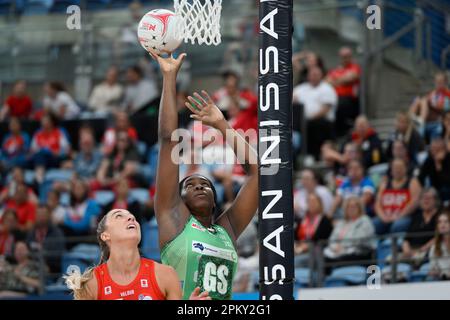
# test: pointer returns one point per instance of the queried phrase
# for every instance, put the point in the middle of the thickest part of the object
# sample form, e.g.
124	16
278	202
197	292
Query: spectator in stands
339	161
397	198
427	111
303	62
49	147
106	96
309	185
139	92
122	200
319	101
419	237
9	233
351	237
446	129
57	211
23	277
356	184
405	132
82	214
121	123
122	164
18	104
18	178
15	146
88	160
367	139
59	102
436	169
24	208
314	226
440	250
47	238
400	151
345	79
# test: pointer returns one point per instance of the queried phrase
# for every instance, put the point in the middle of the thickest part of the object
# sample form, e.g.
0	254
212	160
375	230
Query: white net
200	21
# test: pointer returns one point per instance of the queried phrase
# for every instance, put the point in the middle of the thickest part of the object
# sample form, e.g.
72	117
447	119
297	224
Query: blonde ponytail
77	283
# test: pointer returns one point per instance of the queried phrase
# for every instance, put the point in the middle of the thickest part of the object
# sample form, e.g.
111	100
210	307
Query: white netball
157	31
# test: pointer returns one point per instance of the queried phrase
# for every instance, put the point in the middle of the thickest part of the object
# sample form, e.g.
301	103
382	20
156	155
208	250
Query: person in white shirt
59	102
106	96
139	92
319	100
310	185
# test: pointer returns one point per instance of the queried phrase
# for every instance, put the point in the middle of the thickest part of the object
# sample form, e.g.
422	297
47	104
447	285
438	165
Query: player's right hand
196	295
169	65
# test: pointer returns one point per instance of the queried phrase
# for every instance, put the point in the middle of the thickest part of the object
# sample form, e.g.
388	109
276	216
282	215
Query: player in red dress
123	274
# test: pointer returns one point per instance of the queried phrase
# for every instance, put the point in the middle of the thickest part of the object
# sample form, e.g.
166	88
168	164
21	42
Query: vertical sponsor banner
275	151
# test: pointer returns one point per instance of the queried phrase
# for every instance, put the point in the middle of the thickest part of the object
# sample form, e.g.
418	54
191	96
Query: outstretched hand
169	65
205	110
196	295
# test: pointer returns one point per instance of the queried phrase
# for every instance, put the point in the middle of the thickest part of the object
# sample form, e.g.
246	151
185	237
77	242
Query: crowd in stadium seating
358	187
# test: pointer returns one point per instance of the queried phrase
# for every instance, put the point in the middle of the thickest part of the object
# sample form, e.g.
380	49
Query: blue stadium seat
343	276
140	195
421	274
82	255
403	270
245	296
384	250
61	6
59	175
142	148
150	240
302	277
32	7
103	197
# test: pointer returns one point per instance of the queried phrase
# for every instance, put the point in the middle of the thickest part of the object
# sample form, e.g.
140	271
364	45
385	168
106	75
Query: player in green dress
199	247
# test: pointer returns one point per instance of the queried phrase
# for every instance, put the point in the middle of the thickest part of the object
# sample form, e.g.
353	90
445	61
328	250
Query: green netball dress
203	257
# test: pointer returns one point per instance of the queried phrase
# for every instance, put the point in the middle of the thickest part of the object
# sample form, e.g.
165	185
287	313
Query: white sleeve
328	95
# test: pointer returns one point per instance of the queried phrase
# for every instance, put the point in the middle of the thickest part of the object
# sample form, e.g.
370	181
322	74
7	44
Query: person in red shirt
123	274
122	123
18	104
25	209
346	79
9	234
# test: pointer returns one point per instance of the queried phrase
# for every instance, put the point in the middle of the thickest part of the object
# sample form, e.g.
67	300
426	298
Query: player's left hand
205	110
196	295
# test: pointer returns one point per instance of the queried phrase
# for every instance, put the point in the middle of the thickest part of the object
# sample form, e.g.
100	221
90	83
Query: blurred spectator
440	250
24	208
397	199
139	92
106	96
419	237
57	211
400	151
428	111
355	185
309	185
367	139
446	129
303	62
18	178
9	233
405	132
18	104
121	123
81	216
59	102
15	146
319	100
88	160
122	200
314	226
47	238
122	164
436	169
21	278
49	147
351	237
339	161
128	34
345	79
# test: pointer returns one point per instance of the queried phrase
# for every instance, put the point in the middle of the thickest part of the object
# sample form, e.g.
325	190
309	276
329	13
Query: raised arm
171	213
236	218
